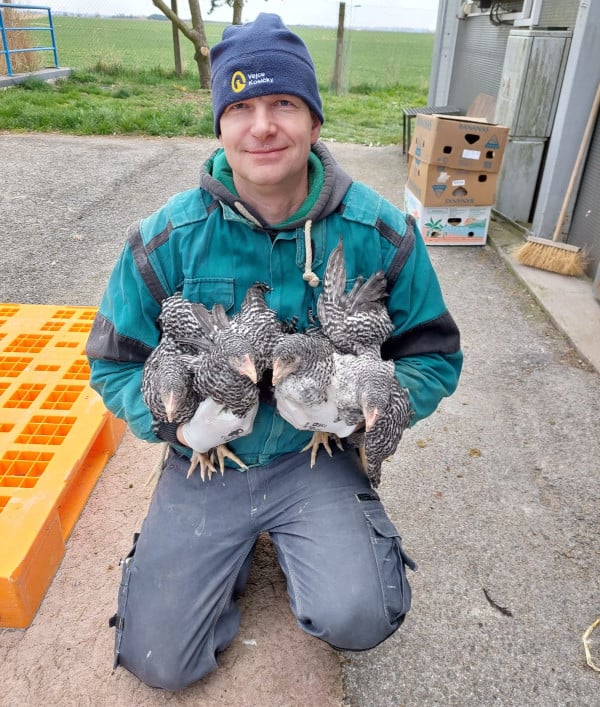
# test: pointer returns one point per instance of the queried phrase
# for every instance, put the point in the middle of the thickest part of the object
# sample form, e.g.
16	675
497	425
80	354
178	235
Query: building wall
583	228
559	13
585	225
469	60
478	59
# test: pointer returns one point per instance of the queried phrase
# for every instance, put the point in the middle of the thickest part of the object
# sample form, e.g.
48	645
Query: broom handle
587	134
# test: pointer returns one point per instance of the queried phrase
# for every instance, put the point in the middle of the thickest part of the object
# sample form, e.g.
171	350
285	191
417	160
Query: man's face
267	140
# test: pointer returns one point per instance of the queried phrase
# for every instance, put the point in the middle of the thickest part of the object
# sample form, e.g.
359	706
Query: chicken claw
223	452
318	439
204	461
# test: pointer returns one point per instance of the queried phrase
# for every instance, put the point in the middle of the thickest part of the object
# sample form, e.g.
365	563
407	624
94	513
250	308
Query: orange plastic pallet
55	439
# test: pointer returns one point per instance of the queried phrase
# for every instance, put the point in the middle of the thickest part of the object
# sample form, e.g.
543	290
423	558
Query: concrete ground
496	494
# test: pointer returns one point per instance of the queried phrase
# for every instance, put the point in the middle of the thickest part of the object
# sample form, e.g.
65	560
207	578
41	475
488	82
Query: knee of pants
166	680
352	623
172	659
169	672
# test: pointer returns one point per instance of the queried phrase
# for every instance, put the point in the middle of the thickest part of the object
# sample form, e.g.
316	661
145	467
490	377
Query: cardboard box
436	185
443	225
458	142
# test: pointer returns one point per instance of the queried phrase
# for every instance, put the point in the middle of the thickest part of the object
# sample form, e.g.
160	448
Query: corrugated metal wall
585	226
559	13
585	223
478	60
480	49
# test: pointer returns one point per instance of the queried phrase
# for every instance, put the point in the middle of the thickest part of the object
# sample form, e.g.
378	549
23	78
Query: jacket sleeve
425	343
123	334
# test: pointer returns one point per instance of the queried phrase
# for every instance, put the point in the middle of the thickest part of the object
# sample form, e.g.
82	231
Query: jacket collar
335	184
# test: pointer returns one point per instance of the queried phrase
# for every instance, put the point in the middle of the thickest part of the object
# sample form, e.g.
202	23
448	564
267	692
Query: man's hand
213	425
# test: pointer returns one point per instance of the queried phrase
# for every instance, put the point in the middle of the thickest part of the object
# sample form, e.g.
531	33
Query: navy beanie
258	59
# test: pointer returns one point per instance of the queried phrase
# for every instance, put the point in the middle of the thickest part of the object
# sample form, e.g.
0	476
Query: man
342	556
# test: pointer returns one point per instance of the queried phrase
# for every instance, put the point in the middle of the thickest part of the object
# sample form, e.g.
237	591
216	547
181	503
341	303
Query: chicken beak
248	368
169	404
371	415
278	371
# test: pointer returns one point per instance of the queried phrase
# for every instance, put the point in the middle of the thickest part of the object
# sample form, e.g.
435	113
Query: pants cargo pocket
391	561
118	620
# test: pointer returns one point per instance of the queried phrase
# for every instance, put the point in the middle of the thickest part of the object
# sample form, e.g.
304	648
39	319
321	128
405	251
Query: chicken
167	390
368	390
362	386
166	379
302	367
225	373
167	383
178	321
197	358
260	325
355	321
303	376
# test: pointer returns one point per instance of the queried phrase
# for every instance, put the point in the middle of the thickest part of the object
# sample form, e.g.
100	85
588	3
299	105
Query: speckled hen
354	321
368	390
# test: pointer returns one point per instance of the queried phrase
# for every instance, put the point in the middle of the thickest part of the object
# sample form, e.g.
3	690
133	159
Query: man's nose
262	123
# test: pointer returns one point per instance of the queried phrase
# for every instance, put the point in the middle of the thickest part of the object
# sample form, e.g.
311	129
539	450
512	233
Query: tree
196	34
237	6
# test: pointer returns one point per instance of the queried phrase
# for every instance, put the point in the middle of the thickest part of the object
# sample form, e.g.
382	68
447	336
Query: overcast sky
419	14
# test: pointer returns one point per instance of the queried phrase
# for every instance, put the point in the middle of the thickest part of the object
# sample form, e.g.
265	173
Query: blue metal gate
6	52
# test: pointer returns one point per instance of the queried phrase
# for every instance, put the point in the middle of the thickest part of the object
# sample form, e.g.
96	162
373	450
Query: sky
417	14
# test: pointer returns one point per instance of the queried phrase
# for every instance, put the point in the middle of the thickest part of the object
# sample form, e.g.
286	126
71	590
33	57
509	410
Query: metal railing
6	52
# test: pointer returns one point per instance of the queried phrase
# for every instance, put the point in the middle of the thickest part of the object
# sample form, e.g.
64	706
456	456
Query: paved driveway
496	495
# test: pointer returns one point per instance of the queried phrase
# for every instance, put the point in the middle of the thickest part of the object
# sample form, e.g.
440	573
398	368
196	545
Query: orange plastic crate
55	439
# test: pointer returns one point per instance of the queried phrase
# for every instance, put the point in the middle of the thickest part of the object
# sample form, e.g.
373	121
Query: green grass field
124	83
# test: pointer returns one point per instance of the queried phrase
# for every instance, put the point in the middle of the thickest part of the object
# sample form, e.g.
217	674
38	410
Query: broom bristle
550	256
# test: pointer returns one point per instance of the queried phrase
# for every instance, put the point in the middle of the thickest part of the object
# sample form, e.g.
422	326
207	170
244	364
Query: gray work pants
341	555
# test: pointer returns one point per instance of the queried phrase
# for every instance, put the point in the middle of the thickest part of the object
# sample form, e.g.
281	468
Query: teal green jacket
211	247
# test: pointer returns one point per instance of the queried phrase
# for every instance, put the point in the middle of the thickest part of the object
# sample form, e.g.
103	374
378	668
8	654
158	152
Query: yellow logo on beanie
238	81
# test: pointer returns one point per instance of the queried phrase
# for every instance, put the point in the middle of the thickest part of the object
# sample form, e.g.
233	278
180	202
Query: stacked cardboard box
452	177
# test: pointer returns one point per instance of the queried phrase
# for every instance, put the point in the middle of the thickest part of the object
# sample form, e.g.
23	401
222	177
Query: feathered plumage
166	379
368	390
346	369
178	321
260	325
167	383
358	323
224	371
303	376
200	356
168	390
358	320
303	367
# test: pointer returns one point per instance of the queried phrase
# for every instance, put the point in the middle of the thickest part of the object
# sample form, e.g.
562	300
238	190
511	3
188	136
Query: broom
554	255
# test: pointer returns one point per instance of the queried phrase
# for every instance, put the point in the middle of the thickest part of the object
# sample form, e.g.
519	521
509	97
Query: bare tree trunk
176	43
238	6
196	34
336	83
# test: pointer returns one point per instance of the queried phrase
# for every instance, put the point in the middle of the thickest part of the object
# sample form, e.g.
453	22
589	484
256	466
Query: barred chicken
345	373
355	321
224	371
260	325
167	383
168	390
303	376
369	391
198	357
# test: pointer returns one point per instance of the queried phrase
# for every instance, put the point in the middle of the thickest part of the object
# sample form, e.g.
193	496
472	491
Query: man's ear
315	129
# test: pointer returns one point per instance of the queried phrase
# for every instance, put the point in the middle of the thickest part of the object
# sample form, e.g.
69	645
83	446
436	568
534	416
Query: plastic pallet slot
55	439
